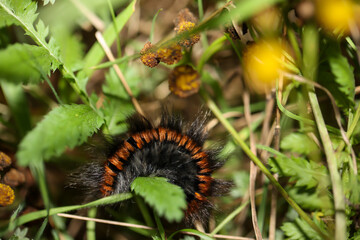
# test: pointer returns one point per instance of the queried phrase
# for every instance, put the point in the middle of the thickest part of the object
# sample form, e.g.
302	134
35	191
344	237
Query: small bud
14	178
7	195
184	81
148	56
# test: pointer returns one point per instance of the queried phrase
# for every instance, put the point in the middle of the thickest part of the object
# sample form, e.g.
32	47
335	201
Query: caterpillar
174	150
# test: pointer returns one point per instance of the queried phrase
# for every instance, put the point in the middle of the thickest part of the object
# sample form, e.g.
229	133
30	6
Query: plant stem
310	63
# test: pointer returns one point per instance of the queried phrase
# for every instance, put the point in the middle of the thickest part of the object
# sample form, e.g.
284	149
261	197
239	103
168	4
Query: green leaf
167	199
23	13
299	230
24	63
312	199
338	76
46	2
65	126
306	173
71	48
20	234
298	143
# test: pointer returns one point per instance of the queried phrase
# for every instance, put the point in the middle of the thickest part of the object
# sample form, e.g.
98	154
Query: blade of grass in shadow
212	106
43	213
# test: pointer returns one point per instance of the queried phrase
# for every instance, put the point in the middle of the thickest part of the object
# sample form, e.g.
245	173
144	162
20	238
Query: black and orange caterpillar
171	150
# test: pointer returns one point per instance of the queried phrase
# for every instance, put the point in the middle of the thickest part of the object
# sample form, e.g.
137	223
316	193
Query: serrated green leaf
338	76
167	199
71	49
313	199
299	230
14	11
24	63
23	13
65	126
46	2
298	143
306	173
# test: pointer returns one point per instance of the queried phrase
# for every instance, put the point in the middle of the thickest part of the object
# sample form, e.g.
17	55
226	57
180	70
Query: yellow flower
262	65
184	81
7	195
335	15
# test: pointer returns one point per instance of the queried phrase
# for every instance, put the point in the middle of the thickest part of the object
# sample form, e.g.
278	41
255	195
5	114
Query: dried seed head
5	161
184	22
184	15
184	81
148	56
7	195
170	55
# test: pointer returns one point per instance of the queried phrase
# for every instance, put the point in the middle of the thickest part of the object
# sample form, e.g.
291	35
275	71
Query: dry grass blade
111	57
253	168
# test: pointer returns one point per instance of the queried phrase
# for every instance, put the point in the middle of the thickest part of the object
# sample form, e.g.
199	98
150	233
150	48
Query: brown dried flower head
170	55
5	161
148	56
186	21
184	81
7	195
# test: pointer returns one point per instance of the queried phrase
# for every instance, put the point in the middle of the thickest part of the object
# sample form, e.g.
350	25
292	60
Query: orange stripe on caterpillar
116	162
162	134
139	142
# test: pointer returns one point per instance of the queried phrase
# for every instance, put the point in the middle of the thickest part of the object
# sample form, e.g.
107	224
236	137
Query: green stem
90	225
43	213
310	63
350	130
261	166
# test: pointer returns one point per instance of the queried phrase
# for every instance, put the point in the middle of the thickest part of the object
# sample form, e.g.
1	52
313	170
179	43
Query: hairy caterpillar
173	150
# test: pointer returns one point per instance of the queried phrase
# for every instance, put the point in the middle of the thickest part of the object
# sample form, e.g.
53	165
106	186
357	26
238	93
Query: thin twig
253	168
111	57
93	19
